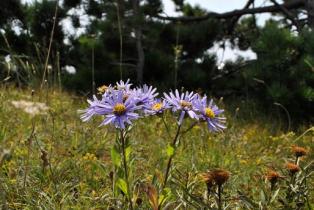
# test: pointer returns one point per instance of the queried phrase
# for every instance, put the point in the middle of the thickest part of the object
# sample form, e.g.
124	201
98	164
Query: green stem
126	169
171	157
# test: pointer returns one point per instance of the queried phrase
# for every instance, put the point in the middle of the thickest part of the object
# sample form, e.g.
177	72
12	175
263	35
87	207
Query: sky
215	6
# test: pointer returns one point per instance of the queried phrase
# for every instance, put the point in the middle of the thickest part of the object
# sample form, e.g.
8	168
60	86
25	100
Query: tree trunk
141	56
310	11
139	45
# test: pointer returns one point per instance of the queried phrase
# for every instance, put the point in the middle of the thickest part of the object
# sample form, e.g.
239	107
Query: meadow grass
54	161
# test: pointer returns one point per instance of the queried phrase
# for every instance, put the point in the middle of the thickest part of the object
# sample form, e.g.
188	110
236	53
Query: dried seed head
299	151
273	176
44	158
207	178
220	176
102	89
292	168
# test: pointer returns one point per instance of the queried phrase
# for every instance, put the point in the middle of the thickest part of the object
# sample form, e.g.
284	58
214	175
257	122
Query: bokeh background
252	51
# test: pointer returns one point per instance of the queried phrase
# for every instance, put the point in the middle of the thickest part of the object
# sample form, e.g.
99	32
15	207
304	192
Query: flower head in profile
156	106
114	108
220	176
182	102
299	151
273	176
215	177
292	168
96	107
210	113
208	179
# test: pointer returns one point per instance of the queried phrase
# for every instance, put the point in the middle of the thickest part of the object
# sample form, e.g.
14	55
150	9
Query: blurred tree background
83	44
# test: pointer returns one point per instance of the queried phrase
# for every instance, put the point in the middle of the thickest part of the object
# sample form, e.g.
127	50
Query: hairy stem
174	142
125	166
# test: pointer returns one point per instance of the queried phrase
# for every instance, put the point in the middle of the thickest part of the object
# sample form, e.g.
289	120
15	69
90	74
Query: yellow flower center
185	104
209	112
157	106
119	109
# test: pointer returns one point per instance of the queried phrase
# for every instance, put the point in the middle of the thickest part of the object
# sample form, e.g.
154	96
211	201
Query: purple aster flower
144	95
126	86
157	106
116	110
209	112
183	103
95	108
107	93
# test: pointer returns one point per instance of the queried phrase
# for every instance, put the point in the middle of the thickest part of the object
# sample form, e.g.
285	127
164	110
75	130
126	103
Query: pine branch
295	4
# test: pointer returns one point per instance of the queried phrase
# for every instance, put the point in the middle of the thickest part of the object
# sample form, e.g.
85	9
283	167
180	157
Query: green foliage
285	75
245	33
41	19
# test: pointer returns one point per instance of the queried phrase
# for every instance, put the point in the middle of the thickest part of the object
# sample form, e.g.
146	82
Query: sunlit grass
53	160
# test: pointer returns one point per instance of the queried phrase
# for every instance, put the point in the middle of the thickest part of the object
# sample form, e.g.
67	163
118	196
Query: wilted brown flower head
102	89
44	158
273	176
299	151
292	168
220	176
207	178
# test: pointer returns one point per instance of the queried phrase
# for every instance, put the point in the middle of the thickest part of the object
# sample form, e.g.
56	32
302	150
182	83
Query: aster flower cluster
121	104
196	107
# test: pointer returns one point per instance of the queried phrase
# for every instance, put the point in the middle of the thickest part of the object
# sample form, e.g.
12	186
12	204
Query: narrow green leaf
128	151
115	157
262	196
274	196
165	195
121	184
